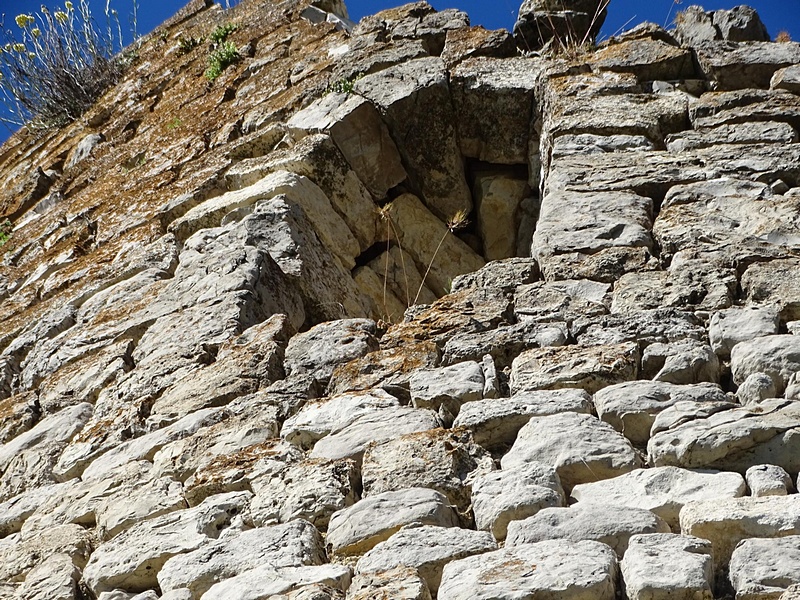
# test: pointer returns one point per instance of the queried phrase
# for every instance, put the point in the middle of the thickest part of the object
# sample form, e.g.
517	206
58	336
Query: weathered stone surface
765	568
740	24
602	523
756	388
590	369
580	447
446	389
729	327
648	59
294	544
631	407
787	78
20	554
400	583
662	490
55	578
16	510
662	566
498	197
685	362
513	494
427	140
774	282
318	418
359	528
311	490
266	582
420	233
768	480
133	559
564	569
357	129
739	133
727	522
744	65
494	101
540	21
444	460
645	328
495	422
733	439
751	110
387	424
776	355
554	301
427	549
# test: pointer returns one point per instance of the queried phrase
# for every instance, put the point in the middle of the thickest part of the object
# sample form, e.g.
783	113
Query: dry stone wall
409	309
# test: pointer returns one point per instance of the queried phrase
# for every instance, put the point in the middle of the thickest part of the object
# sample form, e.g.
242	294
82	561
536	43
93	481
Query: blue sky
493	14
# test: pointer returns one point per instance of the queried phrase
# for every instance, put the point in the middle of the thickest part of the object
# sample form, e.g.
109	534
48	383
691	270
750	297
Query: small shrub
343	86
783	37
186	45
55	65
220	59
221	33
5	231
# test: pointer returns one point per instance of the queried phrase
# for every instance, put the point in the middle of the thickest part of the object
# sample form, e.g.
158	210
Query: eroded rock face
398	292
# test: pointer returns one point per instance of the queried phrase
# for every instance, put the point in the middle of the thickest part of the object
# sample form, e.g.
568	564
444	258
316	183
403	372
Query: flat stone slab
552	569
665	566
765	568
662	490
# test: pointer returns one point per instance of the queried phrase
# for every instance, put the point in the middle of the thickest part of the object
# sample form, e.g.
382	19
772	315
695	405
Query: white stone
664	566
776	355
765	568
733	325
447	388
662	490
268	583
553	569
768	480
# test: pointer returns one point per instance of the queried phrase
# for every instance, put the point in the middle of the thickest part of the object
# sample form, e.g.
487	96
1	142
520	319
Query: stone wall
399	309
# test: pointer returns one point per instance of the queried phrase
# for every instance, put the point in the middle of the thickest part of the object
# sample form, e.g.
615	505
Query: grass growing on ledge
220	59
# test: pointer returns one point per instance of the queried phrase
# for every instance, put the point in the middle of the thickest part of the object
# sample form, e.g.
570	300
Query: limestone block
775	282
133	559
14	511
131	504
682	363
495	422
494	100
661	490
725	523
745	65
768	480
379	426
792	593
318	350
55	578
357	529
514	494
740	24
498	197
318	418
473	42
441	459
400	583
446	389
20	554
266	581
602	523
580	447
776	355
508	273
762	132
664	566
590	369
756	388
631	407
312	490
397	270
361	136
420	233
427	549
294	544
696	27
645	327
540	21
734	325
567	300
733	440
765	568
426	139
787	79
555	568
648	59
590	143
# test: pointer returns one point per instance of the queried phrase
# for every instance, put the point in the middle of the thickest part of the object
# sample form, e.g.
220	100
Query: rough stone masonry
408	309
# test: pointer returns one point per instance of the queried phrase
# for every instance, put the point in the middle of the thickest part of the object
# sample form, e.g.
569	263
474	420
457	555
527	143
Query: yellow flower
36	32
23	20
61	16
19	47
68	5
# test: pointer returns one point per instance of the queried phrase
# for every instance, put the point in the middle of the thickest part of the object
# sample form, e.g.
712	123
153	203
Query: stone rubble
407	309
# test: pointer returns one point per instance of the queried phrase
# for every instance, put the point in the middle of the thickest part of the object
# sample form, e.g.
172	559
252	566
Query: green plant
56	64
221	33
343	85
175	123
220	59
5	231
186	45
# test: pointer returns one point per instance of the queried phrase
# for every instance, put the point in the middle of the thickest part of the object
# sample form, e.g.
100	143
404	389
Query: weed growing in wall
220	59
56	63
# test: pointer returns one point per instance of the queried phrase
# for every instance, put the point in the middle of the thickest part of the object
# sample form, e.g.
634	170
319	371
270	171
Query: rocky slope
409	309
